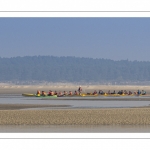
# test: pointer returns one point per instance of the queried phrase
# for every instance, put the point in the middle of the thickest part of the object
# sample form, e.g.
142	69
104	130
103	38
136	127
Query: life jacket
50	93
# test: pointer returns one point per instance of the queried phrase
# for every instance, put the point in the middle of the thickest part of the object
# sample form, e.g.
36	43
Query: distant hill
72	69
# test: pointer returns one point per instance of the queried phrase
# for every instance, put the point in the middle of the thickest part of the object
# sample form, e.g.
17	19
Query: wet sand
118	116
26	106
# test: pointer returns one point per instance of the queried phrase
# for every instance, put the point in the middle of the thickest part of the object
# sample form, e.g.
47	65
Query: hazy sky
111	38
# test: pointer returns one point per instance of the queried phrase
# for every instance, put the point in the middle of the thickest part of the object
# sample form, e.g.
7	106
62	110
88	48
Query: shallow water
95	102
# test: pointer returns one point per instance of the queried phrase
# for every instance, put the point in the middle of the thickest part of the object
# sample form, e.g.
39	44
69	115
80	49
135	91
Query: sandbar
19	89
117	116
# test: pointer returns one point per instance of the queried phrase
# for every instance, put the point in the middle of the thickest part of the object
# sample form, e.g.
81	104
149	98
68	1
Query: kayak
82	95
116	95
34	95
86	95
28	95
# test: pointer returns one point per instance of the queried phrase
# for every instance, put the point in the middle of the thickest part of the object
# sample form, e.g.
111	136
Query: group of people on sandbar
64	93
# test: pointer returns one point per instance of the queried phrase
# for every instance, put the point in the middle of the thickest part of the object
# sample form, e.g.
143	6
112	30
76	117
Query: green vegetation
72	69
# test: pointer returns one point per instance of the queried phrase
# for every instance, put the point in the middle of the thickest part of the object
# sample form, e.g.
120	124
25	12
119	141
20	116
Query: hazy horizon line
76	57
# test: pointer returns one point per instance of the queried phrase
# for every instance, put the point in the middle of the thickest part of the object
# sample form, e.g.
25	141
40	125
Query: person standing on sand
79	90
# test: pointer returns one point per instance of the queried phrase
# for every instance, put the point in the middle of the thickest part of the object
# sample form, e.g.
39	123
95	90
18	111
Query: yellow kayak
28	95
89	95
34	95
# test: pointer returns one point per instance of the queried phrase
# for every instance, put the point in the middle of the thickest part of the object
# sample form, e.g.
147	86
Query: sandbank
19	89
117	116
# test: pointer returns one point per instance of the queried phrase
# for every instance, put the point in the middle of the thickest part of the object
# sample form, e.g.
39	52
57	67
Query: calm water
99	102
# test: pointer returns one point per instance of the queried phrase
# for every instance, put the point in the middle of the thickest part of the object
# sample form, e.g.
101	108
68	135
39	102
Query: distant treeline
72	69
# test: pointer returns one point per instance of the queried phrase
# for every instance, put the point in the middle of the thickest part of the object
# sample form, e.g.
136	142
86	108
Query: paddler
143	92
59	94
125	92
49	93
55	93
130	93
138	92
95	92
65	93
52	93
70	92
44	93
38	93
101	92
75	93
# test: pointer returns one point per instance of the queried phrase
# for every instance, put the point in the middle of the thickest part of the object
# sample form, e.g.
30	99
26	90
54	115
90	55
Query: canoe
34	95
